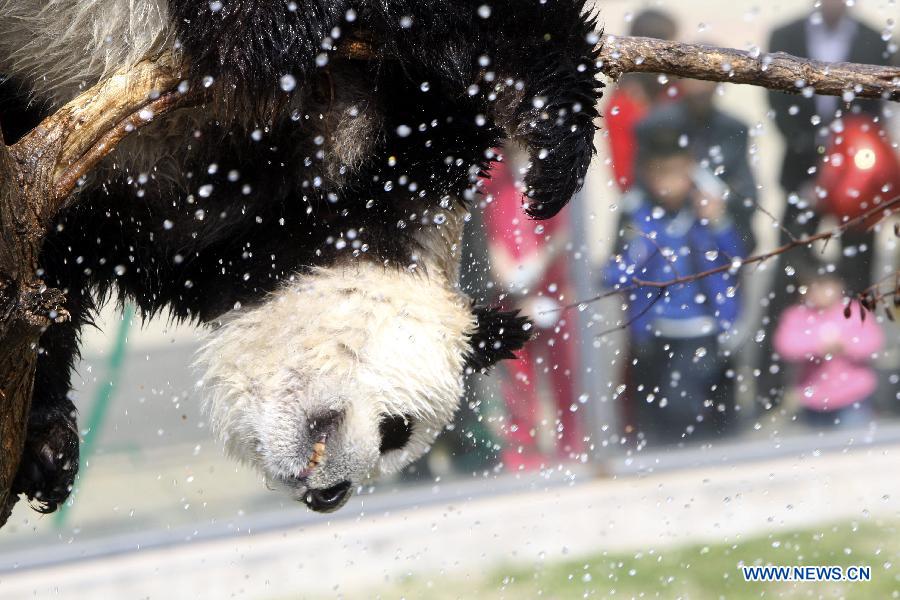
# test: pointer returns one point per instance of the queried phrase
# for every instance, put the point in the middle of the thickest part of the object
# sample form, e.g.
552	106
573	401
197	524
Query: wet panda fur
311	211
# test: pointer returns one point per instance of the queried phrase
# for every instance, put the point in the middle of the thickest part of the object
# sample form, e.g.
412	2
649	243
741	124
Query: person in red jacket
530	265
634	97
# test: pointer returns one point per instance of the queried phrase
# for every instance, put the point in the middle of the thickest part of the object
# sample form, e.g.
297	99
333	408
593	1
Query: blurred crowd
689	206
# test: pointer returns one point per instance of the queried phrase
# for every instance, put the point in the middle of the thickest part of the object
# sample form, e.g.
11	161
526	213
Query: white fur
359	338
60	47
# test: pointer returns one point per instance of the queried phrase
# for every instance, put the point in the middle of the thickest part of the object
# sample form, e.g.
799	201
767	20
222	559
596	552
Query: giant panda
310	212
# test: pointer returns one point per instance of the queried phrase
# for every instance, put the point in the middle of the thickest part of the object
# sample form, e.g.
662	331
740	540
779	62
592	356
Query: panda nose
328	500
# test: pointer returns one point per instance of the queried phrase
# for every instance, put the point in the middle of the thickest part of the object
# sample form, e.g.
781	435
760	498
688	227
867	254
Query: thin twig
631	321
775	220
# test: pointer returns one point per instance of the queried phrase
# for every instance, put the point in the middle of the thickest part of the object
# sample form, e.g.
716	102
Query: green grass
695	572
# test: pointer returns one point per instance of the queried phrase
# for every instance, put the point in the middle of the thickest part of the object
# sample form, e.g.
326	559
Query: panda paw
50	459
498	335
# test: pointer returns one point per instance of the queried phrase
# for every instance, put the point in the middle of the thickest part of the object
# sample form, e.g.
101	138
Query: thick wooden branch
40	172
14	375
70	143
778	71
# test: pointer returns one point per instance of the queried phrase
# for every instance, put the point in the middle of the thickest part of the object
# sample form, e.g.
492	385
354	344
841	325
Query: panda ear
497	336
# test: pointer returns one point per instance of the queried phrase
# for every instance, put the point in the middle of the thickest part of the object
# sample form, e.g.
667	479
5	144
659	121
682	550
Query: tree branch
778	71
71	143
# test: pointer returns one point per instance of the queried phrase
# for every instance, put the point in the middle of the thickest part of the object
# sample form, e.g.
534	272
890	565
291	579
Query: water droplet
288	82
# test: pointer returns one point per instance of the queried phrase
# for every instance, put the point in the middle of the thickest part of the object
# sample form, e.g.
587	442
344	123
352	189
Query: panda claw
49	463
497	336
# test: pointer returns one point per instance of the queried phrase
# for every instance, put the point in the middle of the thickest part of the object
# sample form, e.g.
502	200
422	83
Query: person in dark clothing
832	34
718	142
829	34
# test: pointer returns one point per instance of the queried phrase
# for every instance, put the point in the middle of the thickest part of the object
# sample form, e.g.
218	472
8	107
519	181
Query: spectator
530	266
718	142
829	33
834	354
676	229
633	97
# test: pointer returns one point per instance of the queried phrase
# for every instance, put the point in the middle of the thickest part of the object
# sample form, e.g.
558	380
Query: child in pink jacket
833	354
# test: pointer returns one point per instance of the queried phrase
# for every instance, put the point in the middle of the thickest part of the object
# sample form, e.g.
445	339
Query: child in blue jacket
676	224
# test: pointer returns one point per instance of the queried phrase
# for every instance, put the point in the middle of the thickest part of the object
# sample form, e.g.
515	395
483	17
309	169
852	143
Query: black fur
196	251
252	44
498	336
18	117
530	64
50	458
534	63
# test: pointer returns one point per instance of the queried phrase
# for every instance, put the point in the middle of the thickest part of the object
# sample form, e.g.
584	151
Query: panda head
346	372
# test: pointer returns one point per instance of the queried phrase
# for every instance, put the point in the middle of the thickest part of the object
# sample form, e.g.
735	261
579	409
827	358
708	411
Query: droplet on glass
288	82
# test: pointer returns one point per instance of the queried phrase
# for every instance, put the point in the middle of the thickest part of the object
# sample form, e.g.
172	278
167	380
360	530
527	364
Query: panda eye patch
395	432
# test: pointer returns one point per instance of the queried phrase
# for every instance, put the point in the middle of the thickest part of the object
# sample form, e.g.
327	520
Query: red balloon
860	170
